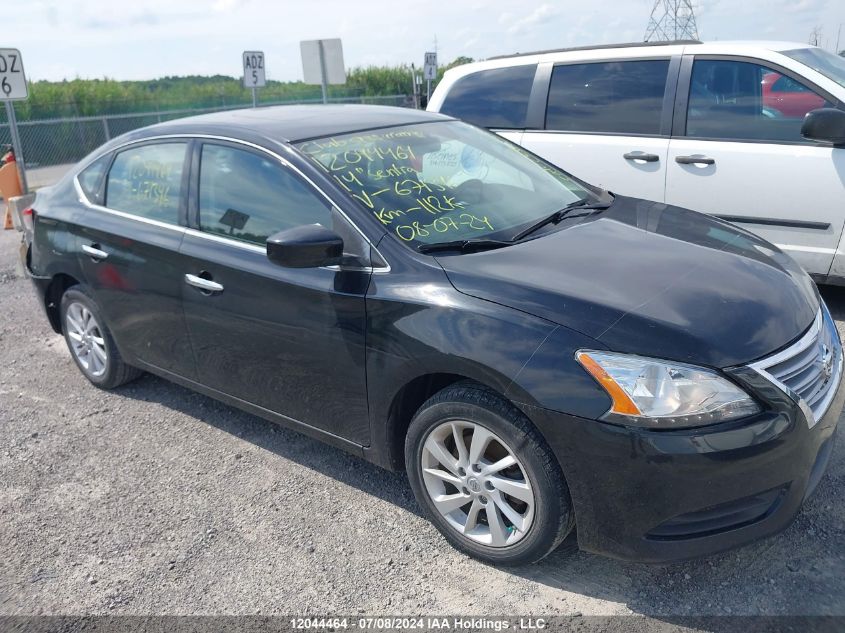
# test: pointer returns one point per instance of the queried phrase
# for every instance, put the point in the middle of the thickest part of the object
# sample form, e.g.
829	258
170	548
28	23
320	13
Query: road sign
12	79
322	63
13	88
254	69
430	67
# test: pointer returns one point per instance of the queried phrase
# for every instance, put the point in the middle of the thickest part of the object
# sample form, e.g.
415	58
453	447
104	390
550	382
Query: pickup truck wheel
486	478
90	343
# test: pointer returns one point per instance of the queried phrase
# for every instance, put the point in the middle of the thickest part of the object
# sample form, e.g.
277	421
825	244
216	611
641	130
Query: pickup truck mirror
825	124
308	246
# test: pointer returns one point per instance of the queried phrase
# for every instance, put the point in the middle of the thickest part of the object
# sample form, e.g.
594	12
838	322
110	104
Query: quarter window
608	97
91	178
735	100
249	197
496	98
146	181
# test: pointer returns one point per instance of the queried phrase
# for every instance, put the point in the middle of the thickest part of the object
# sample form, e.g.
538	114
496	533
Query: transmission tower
671	20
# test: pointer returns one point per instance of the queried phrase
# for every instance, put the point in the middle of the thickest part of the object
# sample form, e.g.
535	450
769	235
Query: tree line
95	97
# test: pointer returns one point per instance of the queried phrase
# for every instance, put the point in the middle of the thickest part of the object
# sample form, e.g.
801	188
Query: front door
743	158
288	340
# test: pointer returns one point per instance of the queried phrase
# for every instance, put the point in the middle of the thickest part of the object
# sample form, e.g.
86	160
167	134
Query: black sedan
536	352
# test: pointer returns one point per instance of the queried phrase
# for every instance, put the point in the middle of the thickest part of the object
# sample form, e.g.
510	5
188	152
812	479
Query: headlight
665	394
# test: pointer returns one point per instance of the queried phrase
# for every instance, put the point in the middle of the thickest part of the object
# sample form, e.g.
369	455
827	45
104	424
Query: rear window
146	181
496	98
608	97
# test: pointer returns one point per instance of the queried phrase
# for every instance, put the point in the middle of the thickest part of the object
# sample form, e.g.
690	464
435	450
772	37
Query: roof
764	44
292	123
598	47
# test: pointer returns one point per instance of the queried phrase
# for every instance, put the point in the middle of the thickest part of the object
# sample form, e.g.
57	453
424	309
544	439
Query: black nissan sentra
537	353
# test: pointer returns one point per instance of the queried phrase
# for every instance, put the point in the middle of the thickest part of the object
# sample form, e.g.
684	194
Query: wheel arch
59	284
405	403
389	450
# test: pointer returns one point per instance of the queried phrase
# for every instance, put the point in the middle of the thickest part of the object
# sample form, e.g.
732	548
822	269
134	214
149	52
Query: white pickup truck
753	132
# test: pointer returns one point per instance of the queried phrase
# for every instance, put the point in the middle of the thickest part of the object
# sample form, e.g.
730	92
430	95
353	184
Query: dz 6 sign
12	79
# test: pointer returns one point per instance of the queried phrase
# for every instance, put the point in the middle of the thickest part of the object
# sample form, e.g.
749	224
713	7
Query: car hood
651	279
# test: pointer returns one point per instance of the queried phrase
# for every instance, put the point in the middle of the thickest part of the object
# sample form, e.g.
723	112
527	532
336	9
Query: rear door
608	122
739	155
129	252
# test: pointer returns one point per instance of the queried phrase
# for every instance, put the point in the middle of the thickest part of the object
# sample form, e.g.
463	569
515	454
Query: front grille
809	370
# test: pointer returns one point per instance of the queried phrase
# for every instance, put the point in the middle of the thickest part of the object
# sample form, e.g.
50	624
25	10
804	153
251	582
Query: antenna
671	20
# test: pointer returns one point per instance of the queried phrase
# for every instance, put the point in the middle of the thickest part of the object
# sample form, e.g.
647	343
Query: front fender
554	380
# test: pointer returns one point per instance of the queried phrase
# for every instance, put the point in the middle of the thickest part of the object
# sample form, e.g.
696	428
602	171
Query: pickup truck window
496	98
608	97
733	100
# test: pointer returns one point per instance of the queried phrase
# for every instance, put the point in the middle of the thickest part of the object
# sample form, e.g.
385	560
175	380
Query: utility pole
671	20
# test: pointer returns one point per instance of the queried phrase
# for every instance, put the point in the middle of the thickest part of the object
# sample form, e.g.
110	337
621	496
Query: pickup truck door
738	154
608	123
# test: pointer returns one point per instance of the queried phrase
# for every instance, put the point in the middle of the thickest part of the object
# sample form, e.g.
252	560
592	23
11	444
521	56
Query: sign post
254	76
322	63
13	87
429	73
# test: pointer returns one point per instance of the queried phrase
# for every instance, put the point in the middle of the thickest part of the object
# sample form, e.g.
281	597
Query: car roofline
440	119
596	47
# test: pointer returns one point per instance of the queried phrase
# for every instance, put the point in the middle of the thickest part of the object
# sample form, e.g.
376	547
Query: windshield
437	182
830	65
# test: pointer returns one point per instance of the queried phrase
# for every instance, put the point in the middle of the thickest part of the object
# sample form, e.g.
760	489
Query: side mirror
825	124
308	246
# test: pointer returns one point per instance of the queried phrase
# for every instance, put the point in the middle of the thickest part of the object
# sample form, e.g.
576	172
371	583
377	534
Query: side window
91	178
496	98
608	97
734	100
146	181
249	197
787	84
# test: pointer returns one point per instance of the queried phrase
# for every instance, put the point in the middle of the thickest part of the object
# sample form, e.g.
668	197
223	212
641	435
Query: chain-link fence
62	141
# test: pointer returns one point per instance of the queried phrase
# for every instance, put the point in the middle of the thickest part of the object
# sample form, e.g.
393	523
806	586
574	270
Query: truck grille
808	370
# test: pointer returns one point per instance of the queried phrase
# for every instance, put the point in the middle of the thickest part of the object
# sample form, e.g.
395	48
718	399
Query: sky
145	39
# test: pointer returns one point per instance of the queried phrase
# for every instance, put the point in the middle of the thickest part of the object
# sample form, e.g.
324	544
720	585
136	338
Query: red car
787	96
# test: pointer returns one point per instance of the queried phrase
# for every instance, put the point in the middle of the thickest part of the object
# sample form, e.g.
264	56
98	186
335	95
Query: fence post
106	128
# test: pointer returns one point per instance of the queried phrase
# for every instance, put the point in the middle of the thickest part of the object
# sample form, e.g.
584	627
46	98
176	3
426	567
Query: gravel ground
155	500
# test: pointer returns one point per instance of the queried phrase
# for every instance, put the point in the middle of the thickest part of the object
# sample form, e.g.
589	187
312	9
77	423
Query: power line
671	20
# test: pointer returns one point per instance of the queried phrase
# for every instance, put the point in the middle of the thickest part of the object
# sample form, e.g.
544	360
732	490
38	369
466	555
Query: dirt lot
153	499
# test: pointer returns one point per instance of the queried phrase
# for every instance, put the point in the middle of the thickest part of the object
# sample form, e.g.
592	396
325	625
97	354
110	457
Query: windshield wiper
464	246
557	216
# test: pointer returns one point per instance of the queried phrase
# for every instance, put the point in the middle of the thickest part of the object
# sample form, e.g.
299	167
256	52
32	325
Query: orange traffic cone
10	186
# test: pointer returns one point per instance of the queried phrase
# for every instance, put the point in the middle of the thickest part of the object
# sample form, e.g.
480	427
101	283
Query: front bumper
662	496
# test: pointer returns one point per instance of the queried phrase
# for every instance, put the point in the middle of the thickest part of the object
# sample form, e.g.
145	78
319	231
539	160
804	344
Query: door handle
94	252
206	285
646	158
695	160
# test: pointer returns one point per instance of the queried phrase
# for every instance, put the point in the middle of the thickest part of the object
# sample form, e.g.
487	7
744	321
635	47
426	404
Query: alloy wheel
86	339
476	482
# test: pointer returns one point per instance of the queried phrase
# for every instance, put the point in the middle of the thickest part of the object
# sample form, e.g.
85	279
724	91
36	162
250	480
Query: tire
96	355
534	524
